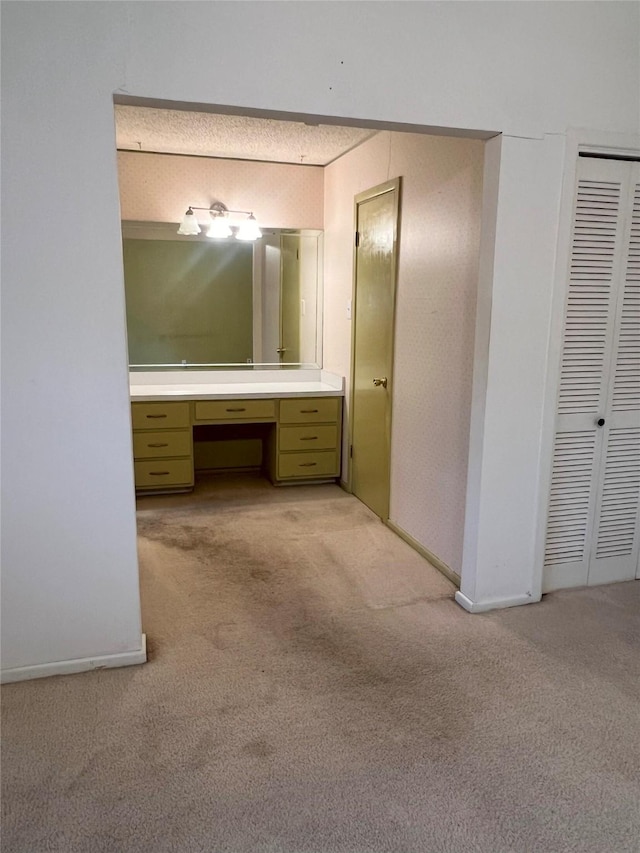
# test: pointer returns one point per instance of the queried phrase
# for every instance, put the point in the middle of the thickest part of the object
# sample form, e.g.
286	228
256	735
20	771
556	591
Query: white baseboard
492	604
67	667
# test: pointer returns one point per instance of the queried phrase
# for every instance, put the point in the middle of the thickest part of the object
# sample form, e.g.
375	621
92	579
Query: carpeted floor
312	687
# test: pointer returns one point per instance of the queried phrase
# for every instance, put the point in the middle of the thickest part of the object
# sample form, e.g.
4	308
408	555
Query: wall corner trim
494	603
67	667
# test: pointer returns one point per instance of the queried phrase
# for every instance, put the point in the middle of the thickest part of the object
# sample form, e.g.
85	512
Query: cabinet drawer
239	410
159	415
321	464
309	410
161	473
310	437
153	445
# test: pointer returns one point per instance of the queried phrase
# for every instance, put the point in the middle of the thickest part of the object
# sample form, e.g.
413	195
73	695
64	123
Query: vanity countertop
234	386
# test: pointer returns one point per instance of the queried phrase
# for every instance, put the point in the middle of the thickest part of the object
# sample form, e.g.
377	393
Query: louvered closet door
593	503
614	553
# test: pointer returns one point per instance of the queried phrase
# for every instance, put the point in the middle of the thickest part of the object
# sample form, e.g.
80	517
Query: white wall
69	562
520	68
522	184
435	318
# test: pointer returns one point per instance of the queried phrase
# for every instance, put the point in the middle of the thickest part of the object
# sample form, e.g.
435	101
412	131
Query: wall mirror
197	303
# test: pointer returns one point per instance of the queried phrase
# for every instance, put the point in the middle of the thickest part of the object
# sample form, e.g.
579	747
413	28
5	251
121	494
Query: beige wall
160	187
434	345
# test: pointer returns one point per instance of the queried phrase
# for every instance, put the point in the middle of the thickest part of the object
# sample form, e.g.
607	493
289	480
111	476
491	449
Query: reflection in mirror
193	302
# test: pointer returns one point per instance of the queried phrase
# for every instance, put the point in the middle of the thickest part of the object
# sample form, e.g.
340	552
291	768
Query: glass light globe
189	225
249	230
219	228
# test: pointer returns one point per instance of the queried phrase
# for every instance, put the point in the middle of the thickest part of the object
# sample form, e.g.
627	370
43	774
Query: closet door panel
615	551
596	264
570	514
614	555
625	396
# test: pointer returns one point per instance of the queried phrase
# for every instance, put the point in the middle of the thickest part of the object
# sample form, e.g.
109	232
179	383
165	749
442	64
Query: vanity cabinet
302	440
235	410
162	446
308	439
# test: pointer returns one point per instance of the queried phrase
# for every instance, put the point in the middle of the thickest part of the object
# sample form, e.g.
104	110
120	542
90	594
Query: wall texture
435	318
70	581
160	187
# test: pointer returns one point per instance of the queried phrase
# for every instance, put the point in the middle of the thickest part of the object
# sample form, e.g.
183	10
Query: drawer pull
159	473
308	438
158	444
308	464
156	416
235	410
308	411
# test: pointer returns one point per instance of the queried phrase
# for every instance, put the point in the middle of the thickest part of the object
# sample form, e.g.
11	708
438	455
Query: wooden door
372	350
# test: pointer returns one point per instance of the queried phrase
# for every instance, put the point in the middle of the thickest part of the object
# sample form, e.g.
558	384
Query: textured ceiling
239	137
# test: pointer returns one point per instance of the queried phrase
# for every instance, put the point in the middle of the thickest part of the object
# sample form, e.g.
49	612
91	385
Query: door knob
382	382
600	422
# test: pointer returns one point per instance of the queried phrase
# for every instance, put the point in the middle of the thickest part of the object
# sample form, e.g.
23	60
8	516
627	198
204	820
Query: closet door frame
577	141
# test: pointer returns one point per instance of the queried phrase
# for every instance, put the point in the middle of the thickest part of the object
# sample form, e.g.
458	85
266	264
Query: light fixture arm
219	209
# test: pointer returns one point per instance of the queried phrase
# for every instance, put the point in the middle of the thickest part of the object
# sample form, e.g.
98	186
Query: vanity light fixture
219	227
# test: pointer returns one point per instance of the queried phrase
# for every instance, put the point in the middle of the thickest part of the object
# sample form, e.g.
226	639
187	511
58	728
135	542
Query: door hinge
357	239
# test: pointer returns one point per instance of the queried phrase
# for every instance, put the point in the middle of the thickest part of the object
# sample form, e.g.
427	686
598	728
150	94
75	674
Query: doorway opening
292	187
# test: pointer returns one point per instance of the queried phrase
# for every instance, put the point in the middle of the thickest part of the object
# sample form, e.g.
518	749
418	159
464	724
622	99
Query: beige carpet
313	687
